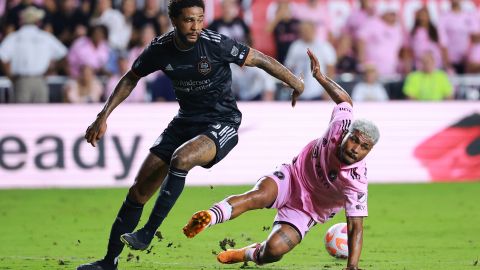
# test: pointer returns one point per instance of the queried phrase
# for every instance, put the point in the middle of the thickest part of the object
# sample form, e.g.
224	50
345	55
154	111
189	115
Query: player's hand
96	131
315	66
297	92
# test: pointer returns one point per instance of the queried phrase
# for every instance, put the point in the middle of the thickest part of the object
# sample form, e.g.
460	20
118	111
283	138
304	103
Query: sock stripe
217	214
214	211
177	172
221	219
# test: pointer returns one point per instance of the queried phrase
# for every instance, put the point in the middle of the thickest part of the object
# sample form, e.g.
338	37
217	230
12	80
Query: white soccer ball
336	241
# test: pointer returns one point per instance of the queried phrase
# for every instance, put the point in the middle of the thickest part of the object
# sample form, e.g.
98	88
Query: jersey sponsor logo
234	51
191	85
169	67
354	174
344	109
204	67
361	197
279	174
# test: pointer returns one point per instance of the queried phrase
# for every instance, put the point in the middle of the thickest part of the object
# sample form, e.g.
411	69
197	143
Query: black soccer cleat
98	265
136	240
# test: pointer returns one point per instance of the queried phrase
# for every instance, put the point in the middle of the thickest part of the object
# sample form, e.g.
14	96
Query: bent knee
181	161
138	195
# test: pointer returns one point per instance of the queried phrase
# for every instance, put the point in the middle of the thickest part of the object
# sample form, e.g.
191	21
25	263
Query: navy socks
168	195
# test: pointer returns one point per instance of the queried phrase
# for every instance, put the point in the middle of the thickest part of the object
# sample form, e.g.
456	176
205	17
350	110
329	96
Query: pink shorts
286	214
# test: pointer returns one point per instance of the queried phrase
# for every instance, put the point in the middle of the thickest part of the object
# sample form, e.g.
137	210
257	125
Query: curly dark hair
175	6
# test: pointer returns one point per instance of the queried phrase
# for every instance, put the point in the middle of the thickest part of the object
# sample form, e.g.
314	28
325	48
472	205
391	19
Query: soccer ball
336	240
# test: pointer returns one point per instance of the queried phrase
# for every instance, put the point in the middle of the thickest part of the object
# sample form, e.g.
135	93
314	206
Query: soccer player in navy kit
201	134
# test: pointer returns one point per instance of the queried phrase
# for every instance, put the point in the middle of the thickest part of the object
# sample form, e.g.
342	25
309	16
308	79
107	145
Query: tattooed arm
124	87
277	70
335	91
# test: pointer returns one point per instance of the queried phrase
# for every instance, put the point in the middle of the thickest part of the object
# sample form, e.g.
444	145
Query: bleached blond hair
367	128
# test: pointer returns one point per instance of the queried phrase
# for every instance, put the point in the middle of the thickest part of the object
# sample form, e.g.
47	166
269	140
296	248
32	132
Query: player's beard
183	39
341	156
342	152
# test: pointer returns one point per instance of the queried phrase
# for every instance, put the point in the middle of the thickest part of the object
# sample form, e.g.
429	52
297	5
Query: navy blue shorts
224	135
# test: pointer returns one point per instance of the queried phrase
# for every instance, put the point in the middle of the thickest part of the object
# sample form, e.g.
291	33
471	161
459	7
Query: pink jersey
474	54
382	44
355	21
454	29
323	26
321	184
421	43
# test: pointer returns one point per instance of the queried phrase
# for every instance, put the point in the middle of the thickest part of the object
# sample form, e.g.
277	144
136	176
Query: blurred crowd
94	42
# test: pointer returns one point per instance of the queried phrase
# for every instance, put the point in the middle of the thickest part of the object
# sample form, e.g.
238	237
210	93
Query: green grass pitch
411	226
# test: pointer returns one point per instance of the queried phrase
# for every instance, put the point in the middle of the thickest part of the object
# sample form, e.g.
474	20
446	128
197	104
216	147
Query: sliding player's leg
282	239
262	195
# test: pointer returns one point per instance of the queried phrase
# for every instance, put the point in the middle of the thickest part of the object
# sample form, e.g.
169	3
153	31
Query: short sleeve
233	51
356	192
145	62
58	49
356	203
342	111
6	49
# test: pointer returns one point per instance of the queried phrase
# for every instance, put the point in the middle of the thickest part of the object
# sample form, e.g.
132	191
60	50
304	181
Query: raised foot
197	223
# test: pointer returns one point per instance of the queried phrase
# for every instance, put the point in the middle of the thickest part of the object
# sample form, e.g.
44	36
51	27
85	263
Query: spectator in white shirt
369	89
27	55
298	62
252	84
119	31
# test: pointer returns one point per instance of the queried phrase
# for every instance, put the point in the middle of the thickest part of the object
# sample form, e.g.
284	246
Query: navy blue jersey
201	76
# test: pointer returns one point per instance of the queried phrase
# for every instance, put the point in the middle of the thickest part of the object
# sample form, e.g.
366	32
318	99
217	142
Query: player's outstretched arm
355	241
124	87
335	91
256	58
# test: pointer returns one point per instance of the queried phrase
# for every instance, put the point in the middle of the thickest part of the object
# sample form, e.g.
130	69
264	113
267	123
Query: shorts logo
204	67
234	51
279	174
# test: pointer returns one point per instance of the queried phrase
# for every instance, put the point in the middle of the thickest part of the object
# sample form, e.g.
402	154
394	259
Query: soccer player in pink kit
329	174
